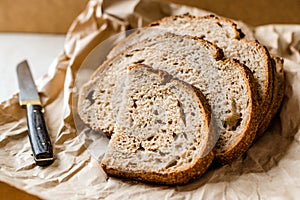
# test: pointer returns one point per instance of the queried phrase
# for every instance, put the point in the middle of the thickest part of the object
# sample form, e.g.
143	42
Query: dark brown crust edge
243	144
174	178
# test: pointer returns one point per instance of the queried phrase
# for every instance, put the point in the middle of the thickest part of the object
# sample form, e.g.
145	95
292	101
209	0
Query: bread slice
225	34
227	85
162	132
277	95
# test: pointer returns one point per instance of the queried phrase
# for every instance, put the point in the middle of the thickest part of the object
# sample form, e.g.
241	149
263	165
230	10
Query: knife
37	131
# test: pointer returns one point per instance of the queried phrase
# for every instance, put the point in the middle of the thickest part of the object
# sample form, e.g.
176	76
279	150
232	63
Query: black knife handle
38	136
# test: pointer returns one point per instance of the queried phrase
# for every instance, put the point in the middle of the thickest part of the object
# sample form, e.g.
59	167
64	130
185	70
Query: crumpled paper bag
270	168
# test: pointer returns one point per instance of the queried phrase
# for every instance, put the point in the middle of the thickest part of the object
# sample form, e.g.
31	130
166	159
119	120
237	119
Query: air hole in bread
162	153
175	136
134	103
90	97
238	123
182	112
227	111
128	55
232	122
172	163
219	24
160	122
185	136
132	164
154	24
141	148
150	138
139	61
136	50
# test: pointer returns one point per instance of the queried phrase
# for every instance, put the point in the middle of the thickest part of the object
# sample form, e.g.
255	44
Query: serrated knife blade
37	131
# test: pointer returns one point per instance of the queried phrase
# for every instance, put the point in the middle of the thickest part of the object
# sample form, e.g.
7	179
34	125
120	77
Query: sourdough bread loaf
225	34
227	85
162	132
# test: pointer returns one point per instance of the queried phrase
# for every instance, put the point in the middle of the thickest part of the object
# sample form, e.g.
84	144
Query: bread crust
172	178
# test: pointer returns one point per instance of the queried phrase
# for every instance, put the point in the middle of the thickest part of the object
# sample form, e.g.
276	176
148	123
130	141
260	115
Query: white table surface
39	49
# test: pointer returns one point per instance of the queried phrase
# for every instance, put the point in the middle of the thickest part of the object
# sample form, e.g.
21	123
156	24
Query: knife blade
37	131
